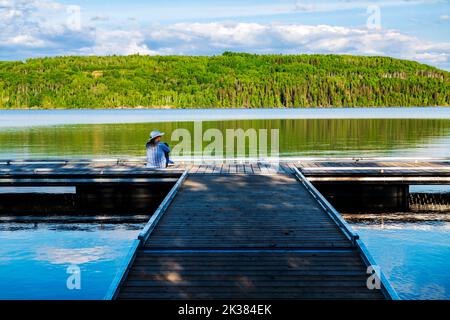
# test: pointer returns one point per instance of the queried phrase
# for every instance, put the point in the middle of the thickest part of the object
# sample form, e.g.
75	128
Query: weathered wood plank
223	212
260	275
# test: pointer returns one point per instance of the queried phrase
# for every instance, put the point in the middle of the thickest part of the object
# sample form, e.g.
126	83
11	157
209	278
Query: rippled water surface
413	253
35	257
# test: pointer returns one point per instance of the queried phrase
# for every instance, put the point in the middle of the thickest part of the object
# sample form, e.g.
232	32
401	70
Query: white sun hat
154	134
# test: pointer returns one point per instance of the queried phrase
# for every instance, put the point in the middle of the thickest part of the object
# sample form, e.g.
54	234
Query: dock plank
221	275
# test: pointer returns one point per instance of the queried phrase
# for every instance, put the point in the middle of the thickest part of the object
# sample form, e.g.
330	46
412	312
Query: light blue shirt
156	157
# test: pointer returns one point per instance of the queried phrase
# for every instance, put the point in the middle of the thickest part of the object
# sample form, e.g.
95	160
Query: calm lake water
418	265
314	132
34	257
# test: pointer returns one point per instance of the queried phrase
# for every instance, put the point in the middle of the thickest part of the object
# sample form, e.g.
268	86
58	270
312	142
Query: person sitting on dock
157	151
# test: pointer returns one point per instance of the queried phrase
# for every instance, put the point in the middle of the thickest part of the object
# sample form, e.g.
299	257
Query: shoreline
219	108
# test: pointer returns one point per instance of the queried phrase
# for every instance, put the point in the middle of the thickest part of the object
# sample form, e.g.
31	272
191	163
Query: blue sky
409	29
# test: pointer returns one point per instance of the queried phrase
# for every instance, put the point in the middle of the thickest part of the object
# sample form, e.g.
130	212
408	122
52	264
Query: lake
409	132
36	256
418	265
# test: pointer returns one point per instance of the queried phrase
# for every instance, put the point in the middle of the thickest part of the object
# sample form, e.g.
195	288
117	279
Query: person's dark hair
151	143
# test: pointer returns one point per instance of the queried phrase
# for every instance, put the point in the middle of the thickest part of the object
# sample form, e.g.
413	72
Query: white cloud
119	42
31	23
295	38
47	25
444	17
74	256
23	40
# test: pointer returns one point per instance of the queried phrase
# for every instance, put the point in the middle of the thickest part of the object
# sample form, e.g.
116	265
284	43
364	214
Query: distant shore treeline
229	80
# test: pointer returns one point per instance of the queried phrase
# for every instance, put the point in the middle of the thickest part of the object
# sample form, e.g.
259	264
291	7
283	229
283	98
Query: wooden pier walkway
247	234
244	236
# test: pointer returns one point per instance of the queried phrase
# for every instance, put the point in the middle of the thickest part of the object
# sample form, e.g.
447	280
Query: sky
409	29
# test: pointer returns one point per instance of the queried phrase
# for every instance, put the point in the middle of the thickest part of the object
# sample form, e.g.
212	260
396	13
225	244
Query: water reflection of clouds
5	259
78	256
418	226
432	291
12	230
414	257
47	251
87	237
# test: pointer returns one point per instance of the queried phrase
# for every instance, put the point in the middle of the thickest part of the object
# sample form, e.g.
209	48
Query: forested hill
229	80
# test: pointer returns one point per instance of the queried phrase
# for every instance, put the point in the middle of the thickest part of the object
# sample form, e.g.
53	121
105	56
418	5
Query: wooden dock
403	170
381	171
239	230
246	237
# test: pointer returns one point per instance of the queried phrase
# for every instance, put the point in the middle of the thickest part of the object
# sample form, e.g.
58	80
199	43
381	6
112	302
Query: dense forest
228	80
